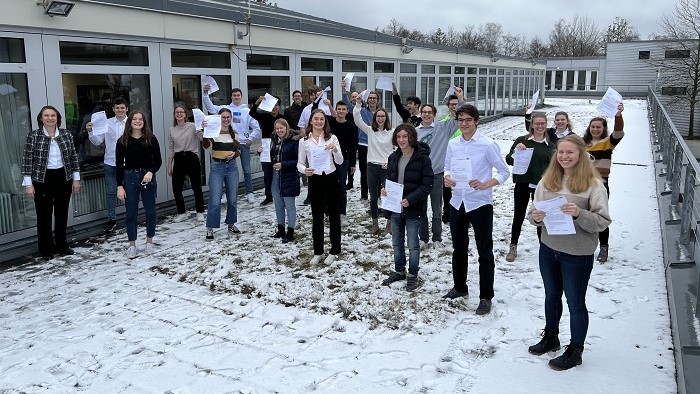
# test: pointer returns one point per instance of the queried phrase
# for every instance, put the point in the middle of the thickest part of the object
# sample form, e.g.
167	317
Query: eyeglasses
451	104
426	112
465	120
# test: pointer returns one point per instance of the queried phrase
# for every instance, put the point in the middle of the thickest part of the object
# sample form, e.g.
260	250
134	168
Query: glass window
481	99
644	54
202	59
594	79
411	68
407	87
276	86
267	62
444	83
460	70
427	69
492	71
358	84
470	91
677	54
482	71
83	95
471	70
104	54
570	80
16	209
316	64
12	50
581	85
558	80
500	71
427	89
445	69
547	80
354	66
383	67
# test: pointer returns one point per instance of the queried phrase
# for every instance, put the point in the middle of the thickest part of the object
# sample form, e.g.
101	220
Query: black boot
568	360
280	232
549	342
289	237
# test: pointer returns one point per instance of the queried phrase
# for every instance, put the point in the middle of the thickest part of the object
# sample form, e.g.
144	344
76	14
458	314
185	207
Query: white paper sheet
556	222
348	81
99	123
450	91
265	154
213	86
385	83
268	103
608	104
198	118
533	102
320	159
461	171
323	106
6	89
394	195
365	94
213	126
521	160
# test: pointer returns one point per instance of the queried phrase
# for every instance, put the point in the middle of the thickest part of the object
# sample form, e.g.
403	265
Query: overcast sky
529	18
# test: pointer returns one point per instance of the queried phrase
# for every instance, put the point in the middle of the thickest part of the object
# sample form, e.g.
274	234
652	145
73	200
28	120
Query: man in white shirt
115	129
247	128
469	163
315	93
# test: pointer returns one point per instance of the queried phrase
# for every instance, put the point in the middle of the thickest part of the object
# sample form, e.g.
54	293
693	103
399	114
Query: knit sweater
541	156
184	138
379	145
593	218
137	155
602	150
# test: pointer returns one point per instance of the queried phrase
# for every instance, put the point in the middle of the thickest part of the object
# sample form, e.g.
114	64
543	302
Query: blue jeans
134	189
342	179
568	274
245	165
111	186
376	177
436	205
222	175
283	204
411	226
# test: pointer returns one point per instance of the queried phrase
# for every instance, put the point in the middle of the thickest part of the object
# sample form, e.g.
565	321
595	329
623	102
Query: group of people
325	144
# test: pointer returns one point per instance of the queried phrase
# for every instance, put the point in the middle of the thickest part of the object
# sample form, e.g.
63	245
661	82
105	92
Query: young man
114	132
247	128
452	102
315	94
469	163
411	112
343	127
293	112
266	120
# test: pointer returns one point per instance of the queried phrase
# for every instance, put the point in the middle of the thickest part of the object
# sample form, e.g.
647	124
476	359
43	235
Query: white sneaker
180	217
200	217
149	248
132	252
344	220
316	259
330	259
251	198
423	245
437	245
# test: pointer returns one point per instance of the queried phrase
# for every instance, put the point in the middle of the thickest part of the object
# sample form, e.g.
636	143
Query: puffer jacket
417	179
286	151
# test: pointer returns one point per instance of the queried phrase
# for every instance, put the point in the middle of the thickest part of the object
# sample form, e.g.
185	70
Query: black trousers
267	178
362	163
186	164
446	197
604	236
522	195
323	191
481	220
51	199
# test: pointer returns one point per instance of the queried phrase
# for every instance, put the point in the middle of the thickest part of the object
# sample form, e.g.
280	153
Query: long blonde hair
583	174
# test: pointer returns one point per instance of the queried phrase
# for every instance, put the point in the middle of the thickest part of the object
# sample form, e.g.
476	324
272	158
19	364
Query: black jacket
417	179
406	116
266	120
292	114
286	151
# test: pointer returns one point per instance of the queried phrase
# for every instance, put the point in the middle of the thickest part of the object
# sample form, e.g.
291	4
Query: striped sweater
601	151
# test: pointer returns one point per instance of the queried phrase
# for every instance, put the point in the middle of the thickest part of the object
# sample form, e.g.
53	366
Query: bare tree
537	49
512	45
580	37
490	35
438	37
679	70
469	38
621	30
394	27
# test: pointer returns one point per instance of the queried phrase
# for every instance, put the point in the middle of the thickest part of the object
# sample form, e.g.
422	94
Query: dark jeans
568	274
522	195
134	190
405	231
481	220
51	199
362	165
342	170
376	177
267	178
323	191
604	236
186	164
446	197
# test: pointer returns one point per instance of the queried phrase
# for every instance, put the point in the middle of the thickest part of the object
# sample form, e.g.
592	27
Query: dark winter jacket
293	113
417	180
266	121
286	151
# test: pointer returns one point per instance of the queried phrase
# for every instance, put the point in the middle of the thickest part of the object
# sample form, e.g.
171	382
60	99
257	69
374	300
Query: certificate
608	104
320	159
213	126
265	154
348	81
450	91
521	160
385	83
99	123
461	171
533	102
556	222
394	195
213	86
198	118
268	103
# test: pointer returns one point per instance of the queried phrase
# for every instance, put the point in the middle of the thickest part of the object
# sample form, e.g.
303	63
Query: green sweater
540	159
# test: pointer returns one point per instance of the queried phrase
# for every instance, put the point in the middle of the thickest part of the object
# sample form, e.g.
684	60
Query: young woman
223	175
600	146
284	152
138	160
51	172
321	148
367	114
562	126
525	184
183	161
566	261
410	166
379	147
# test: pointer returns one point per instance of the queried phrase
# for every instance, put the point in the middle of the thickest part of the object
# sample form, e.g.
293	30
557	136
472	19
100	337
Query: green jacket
540	159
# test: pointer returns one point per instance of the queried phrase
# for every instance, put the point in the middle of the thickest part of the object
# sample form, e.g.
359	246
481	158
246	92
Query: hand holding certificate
320	159
556	221
608	104
99	123
265	154
394	195
521	160
213	127
461	171
198	118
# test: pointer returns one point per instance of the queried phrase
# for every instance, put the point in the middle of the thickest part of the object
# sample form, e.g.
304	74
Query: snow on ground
249	314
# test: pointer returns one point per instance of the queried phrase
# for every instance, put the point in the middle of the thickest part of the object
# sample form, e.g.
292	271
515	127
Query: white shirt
562	134
305	146
484	155
115	129
306	114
